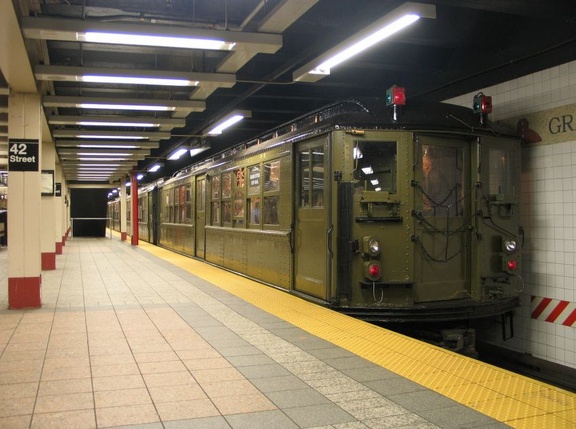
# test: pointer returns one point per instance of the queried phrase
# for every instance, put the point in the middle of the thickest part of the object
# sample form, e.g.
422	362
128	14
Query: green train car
387	213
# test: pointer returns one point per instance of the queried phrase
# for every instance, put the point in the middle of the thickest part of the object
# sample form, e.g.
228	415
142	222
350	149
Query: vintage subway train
384	212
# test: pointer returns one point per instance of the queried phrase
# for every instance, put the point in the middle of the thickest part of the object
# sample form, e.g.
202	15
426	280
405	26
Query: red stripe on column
557	310
570	319
540	308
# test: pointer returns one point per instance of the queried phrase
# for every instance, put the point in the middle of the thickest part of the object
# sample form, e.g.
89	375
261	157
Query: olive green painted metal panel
311	256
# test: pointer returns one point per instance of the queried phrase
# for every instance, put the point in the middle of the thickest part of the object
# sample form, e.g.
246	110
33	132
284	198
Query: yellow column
24	207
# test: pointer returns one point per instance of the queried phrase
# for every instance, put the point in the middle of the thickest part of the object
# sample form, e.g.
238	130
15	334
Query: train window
312	172
239	189
318	177
227	211
215	187
442	176
272	176
254	180
215	220
226	185
500	172
188	204
201	203
254	210
375	166
270	213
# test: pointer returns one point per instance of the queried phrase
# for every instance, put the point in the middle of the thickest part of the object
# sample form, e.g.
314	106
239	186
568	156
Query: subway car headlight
510	245
371	246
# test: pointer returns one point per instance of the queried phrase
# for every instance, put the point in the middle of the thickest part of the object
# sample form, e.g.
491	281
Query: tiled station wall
543	106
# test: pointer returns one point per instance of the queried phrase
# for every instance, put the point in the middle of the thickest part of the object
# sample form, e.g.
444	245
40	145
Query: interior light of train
162	41
482	103
395	95
374	182
357	154
367	170
378	188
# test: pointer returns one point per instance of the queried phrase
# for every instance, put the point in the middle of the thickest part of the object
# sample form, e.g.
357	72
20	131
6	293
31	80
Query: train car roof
362	112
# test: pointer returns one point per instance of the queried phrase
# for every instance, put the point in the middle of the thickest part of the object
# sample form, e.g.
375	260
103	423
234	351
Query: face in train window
375	166
442	180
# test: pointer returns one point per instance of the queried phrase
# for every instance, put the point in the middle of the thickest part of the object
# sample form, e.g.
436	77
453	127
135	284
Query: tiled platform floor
125	339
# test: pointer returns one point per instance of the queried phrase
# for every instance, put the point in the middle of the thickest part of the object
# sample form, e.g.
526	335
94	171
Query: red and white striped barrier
553	311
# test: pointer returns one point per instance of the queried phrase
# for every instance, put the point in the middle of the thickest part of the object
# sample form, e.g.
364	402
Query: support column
48	207
24	215
58	209
123	233
134	201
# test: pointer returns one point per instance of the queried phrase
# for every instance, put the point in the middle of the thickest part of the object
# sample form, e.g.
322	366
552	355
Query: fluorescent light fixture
176	154
124	107
196	150
383	28
110	103
160	41
103	154
154	168
157	35
132	76
104	146
140	176
99	136
135	80
227	121
117	124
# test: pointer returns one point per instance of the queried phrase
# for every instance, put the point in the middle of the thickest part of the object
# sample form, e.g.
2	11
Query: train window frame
239	197
270	201
311	198
362	173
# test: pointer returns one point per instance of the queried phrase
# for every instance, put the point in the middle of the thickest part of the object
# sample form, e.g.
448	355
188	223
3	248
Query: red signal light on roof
482	103
395	95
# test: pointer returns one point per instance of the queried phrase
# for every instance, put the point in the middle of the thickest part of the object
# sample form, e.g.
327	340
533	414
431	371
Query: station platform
140	337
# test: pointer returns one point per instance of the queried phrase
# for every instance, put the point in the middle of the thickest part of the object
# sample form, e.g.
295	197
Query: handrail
72	219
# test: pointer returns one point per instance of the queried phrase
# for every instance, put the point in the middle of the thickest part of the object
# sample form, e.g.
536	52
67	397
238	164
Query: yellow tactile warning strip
510	398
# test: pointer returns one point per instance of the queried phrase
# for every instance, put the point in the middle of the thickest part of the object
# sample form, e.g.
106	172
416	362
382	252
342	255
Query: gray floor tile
265	419
318	415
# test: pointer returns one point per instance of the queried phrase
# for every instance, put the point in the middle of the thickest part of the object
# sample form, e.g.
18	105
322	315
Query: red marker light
374	270
395	95
512	265
482	103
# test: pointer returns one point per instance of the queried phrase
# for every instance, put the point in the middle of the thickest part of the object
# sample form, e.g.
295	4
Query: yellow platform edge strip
516	400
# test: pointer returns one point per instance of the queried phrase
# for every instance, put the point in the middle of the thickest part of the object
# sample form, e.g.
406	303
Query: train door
312	227
498	203
153	215
443	204
200	217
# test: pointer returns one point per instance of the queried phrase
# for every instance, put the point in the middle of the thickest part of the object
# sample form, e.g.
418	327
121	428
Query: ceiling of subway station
469	44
